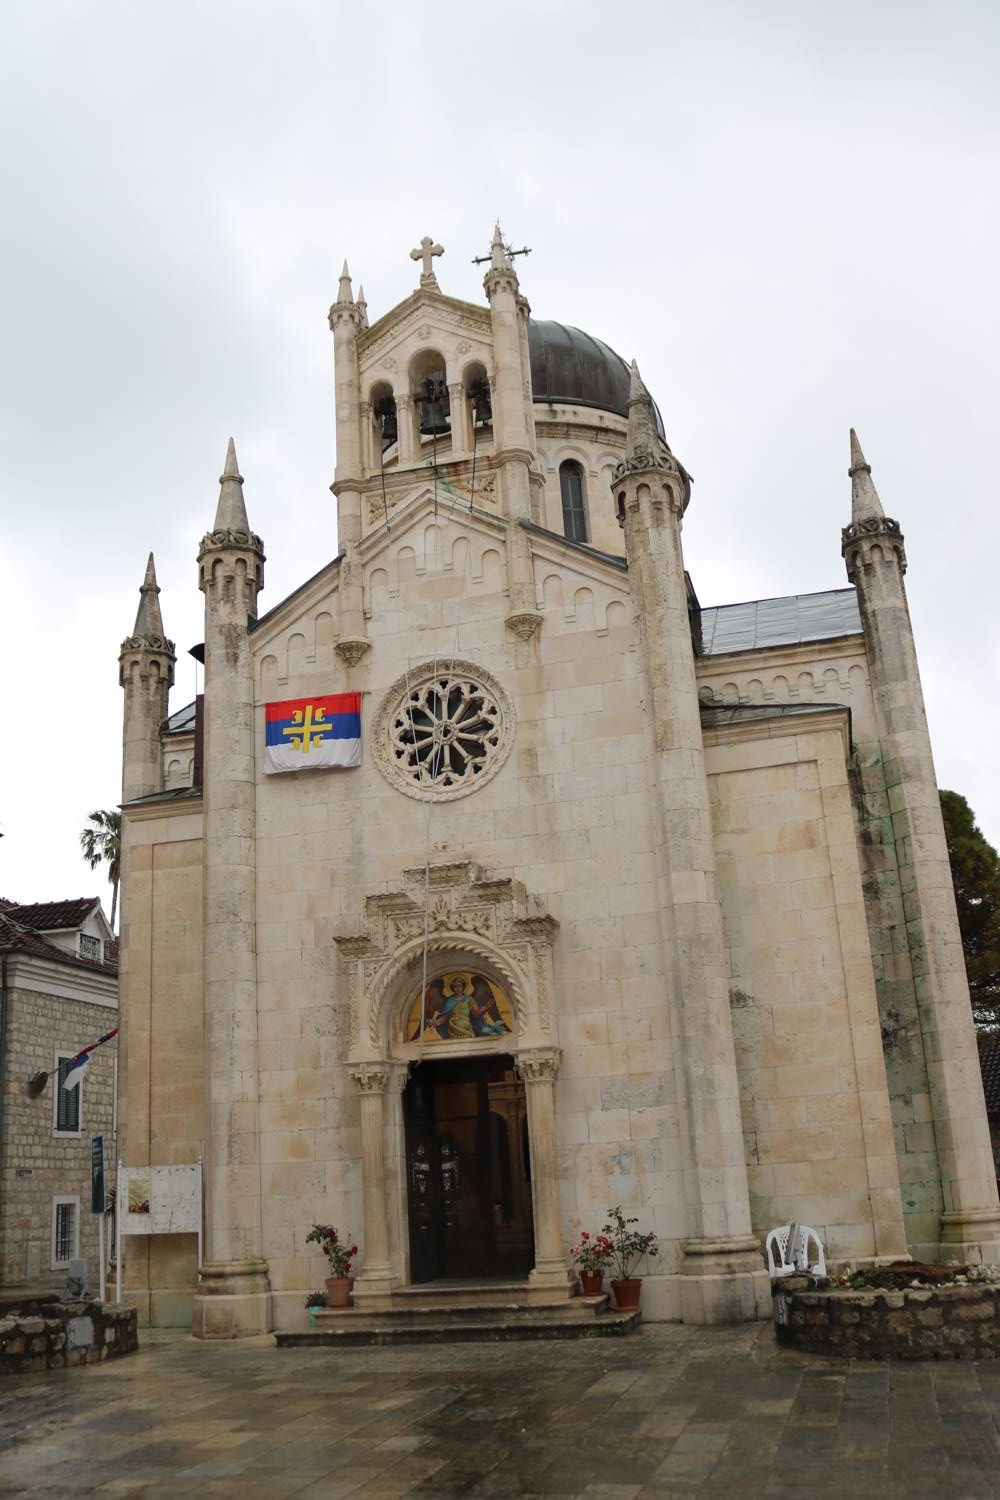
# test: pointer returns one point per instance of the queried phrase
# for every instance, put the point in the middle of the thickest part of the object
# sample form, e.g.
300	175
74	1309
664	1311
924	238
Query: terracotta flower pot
592	1283
627	1293
338	1291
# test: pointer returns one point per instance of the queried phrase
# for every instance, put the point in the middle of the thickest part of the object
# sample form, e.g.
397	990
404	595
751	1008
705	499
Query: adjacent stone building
611	898
58	994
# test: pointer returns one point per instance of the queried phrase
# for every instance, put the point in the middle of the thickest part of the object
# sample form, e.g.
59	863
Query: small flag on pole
303	733
76	1069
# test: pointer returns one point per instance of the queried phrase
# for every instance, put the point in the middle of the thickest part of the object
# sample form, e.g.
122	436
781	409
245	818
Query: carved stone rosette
405	710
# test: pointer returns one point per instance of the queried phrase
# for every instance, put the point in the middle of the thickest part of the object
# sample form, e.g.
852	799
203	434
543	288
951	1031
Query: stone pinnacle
865	502
344	293
231	514
148	620
642	434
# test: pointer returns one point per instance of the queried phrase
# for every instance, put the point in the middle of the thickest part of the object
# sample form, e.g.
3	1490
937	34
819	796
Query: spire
362	307
231	514
344	293
148	620
498	252
642	434
865	502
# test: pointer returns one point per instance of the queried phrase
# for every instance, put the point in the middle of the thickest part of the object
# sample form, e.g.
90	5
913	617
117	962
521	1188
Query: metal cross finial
427	250
510	252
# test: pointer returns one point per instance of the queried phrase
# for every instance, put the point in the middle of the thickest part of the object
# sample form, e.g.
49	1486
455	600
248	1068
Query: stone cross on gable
426	251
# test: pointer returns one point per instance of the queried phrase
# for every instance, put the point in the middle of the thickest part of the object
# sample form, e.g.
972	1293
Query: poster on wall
157	1200
161	1200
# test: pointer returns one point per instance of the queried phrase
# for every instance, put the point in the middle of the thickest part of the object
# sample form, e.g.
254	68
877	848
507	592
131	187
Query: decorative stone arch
471	921
394	984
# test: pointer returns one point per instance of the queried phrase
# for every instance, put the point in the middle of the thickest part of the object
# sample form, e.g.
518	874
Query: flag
302	733
78	1066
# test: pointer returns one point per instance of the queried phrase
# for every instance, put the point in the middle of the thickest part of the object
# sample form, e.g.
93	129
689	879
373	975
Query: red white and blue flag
303	733
76	1069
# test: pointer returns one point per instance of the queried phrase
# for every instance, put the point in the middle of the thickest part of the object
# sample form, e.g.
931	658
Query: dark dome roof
570	367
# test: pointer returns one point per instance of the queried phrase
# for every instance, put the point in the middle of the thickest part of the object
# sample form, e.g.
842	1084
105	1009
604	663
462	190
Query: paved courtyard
670	1411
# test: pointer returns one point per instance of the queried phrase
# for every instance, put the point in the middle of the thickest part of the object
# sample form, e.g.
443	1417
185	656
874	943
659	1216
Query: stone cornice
871	531
155	645
231	541
459	316
745	726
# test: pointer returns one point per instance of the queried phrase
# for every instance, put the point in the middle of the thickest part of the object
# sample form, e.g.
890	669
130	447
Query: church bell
433	418
482	409
388	427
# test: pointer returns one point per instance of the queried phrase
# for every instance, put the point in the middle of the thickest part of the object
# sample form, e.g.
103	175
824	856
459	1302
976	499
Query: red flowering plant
592	1253
340	1254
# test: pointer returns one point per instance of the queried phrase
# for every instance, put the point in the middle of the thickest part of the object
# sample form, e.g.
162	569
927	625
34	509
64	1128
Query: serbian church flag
302	733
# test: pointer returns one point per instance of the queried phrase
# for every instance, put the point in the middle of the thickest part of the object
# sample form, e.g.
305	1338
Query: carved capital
541	929
370	1078
524	623
231	541
352	649
539	1064
501	279
148	644
860	536
354	945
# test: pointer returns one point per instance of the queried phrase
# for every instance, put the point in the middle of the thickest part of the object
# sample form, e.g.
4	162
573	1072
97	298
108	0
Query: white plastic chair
792	1243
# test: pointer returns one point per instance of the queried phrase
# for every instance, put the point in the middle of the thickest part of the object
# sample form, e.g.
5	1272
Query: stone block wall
957	1322
38	1164
51	1335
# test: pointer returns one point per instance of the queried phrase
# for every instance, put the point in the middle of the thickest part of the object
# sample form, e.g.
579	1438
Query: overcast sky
786	212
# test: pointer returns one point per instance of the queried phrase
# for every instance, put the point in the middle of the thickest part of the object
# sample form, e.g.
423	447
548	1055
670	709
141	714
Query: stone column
552	1277
511	437
346	319
404	431
458	415
722	1279
373	1287
233	1296
367	438
875	559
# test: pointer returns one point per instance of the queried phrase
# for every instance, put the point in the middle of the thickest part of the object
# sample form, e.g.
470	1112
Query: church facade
494	881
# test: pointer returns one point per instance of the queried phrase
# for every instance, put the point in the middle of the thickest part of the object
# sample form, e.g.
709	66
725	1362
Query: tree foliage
101	844
975	869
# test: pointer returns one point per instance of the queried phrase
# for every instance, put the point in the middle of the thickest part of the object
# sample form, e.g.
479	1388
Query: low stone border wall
48	1335
951	1322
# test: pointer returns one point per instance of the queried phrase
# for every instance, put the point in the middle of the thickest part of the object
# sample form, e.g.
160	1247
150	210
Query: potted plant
341	1257
628	1247
591	1255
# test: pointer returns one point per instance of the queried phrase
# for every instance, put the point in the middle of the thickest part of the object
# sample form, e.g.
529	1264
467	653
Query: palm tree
101	842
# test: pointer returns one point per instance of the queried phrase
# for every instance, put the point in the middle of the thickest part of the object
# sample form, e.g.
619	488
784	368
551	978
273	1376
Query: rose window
443	733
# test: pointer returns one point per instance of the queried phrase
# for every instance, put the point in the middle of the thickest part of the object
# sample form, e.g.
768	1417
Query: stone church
570	891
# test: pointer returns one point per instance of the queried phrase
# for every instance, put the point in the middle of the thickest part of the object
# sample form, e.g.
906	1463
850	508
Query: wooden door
468	1172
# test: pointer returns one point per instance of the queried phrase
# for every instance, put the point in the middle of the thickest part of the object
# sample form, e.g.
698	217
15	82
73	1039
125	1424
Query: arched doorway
468	1170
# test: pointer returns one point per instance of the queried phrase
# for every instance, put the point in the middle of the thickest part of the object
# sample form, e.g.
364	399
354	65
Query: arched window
573	507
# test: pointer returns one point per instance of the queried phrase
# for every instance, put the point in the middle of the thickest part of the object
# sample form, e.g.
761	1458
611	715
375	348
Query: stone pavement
669	1412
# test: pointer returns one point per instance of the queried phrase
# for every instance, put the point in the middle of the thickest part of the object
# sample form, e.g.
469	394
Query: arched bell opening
478	401
385	422
428	380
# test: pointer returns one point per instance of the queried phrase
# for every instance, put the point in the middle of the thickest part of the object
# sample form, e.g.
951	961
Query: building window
65	1231
90	947
573	507
66	1104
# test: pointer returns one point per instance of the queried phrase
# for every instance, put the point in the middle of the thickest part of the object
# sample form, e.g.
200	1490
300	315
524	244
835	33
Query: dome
570	367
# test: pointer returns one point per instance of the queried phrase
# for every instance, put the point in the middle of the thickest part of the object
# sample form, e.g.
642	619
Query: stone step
464	1310
506	1324
478	1293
